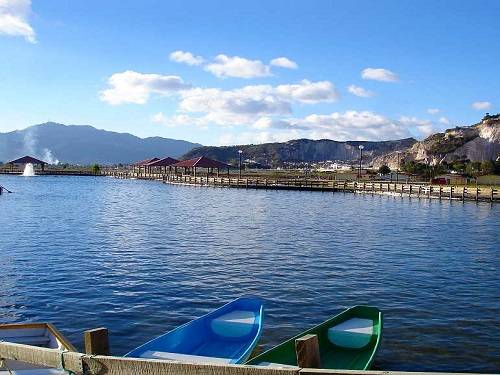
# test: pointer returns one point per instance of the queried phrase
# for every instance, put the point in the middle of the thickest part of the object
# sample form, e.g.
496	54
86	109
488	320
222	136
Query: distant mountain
301	150
478	142
83	144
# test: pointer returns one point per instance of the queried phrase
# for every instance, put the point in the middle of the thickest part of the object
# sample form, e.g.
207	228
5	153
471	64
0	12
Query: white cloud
247	104
359	91
134	87
379	74
433	111
424	127
230	139
309	92
481	105
14	19
184	57
284	62
444	120
235	66
239	106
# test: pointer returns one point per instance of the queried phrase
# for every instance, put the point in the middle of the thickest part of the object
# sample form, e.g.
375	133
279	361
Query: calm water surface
143	257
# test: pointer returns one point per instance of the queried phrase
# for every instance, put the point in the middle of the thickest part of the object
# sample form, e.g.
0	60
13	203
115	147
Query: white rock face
476	143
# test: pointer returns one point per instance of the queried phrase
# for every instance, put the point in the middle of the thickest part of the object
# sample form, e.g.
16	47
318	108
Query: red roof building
201	162
142	163
165	162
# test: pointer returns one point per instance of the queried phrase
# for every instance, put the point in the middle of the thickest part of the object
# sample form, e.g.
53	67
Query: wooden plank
307	351
97	341
63	340
101	365
31	354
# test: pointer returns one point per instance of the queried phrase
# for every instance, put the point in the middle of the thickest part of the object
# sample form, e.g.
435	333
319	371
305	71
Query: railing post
307	351
97	341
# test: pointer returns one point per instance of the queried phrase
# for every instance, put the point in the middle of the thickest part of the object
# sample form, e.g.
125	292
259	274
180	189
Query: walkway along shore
416	190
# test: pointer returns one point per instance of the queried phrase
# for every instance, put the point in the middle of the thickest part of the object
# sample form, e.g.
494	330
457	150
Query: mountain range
301	150
83	144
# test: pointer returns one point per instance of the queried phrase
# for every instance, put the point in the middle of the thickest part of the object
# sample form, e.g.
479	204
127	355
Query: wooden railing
87	364
419	190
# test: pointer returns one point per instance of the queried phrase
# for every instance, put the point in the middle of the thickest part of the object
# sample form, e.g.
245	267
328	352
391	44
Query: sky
238	72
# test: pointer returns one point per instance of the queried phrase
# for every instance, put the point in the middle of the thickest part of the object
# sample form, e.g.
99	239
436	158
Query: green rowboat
348	341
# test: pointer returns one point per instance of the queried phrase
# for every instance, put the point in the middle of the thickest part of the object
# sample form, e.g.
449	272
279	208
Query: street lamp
240	152
397	171
361	147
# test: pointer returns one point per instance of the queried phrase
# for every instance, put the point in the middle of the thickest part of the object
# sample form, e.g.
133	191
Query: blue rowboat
226	335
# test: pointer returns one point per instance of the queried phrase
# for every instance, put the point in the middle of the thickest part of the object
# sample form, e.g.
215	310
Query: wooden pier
94	364
414	190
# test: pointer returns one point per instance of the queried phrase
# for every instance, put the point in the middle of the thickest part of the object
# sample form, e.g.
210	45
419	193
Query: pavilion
162	164
27	160
143	164
201	162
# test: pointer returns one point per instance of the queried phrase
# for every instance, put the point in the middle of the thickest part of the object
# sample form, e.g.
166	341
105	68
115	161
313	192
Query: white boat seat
276	365
184	358
354	333
29	340
237	323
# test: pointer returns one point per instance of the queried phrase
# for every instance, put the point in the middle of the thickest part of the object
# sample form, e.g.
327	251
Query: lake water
143	257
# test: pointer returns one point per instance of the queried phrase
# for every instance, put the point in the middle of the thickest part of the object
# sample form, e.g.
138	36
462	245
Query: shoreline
395	189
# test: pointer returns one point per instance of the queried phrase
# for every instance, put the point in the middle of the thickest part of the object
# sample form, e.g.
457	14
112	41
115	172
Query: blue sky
227	72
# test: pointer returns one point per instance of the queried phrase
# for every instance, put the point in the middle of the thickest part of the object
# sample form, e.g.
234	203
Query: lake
142	257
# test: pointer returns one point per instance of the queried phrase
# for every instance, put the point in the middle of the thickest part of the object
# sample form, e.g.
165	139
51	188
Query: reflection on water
143	257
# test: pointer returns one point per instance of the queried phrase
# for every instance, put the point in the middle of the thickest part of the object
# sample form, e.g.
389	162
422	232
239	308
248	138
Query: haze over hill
301	150
83	144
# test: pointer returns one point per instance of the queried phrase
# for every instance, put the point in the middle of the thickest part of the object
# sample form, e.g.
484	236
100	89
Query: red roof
201	162
26	160
145	162
165	162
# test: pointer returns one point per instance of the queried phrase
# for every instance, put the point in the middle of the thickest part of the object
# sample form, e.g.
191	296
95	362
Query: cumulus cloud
359	91
284	62
134	87
309	92
444	120
481	105
379	74
423	127
247	104
235	66
230	139
14	19
341	126
188	58
433	111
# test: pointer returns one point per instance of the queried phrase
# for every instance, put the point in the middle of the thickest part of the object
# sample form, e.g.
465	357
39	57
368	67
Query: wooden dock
413	190
93	364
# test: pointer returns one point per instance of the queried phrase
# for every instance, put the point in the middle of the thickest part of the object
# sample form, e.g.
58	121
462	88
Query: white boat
36	334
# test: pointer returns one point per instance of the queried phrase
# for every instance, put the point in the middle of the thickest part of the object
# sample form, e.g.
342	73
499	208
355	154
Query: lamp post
240	152
361	147
397	170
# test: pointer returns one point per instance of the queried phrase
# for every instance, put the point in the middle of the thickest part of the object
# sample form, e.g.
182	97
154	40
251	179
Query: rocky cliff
478	142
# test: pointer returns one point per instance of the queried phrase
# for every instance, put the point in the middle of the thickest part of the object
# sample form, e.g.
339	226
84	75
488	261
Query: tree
96	169
384	169
487	167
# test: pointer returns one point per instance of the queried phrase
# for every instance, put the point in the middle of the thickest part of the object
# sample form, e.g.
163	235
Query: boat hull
226	335
348	340
36	334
